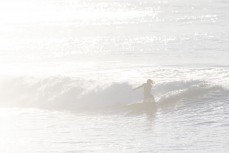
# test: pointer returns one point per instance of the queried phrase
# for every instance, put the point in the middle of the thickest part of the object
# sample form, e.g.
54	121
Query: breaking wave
74	93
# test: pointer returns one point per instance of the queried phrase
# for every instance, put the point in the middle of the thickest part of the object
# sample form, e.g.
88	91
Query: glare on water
68	67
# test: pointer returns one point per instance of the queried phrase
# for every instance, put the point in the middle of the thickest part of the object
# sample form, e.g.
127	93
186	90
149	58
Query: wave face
74	93
64	92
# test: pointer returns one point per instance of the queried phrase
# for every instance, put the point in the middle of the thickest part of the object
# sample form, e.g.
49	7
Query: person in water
148	97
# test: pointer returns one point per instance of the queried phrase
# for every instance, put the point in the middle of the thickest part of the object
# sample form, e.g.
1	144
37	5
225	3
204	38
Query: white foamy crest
74	93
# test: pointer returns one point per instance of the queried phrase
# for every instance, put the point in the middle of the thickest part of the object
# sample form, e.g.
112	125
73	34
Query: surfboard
142	107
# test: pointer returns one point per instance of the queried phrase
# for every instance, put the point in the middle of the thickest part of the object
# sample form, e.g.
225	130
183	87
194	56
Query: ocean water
68	67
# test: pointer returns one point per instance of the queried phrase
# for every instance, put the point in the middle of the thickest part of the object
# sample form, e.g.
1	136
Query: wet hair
149	81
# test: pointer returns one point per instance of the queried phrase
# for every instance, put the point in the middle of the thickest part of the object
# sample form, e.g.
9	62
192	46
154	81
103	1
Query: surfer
148	97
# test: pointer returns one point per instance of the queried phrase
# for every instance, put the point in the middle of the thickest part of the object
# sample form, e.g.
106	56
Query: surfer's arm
139	87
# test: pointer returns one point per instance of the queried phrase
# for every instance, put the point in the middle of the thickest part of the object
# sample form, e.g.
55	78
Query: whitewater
68	70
